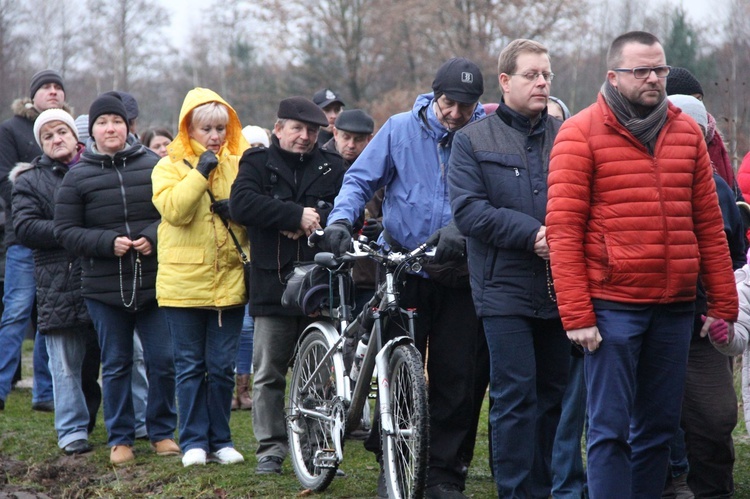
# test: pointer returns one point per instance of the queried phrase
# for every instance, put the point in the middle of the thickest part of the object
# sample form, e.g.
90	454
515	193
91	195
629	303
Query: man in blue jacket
498	185
408	156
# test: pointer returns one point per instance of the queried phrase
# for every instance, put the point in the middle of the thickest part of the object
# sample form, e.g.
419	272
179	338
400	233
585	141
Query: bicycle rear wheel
405	451
316	416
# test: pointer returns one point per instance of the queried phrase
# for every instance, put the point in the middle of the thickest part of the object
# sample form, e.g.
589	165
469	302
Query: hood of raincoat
183	148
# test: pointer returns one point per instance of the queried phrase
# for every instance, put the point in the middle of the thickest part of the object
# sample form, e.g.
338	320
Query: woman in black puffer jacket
62	317
104	214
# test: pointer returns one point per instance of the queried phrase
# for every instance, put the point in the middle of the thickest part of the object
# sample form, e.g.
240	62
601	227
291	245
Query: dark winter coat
17	145
57	272
498	185
101	198
266	198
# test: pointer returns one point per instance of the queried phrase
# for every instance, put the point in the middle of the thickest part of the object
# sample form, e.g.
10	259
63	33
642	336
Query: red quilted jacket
630	227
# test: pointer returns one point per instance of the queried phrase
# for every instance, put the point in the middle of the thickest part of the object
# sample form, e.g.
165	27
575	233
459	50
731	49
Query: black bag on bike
308	289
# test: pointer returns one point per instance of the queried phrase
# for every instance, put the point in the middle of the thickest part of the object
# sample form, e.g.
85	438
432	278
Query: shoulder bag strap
237	244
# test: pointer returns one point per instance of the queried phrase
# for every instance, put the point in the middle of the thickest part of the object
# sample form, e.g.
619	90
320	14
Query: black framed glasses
643	72
535	76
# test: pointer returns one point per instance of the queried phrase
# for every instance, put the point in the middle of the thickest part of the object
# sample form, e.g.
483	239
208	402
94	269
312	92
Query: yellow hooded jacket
199	265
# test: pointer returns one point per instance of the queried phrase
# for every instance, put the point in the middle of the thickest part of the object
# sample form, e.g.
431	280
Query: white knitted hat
53	115
256	135
692	107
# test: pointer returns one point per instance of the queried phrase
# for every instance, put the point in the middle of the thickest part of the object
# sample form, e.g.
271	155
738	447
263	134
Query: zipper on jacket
124	199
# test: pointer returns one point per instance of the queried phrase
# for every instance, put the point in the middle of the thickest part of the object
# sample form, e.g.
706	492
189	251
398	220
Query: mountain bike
326	401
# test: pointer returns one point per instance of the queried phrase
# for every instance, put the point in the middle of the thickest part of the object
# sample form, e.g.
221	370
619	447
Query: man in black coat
18	145
282	194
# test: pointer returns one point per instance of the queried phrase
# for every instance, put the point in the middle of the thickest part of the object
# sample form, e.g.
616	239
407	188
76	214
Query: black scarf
646	129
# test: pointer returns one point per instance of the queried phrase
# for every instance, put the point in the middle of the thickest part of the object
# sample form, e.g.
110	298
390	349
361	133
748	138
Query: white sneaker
194	456
227	455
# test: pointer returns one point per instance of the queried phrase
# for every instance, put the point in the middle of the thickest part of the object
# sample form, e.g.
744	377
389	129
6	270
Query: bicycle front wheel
405	451
316	416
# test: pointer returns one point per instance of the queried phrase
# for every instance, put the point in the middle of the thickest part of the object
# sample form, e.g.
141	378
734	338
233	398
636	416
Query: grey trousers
274	343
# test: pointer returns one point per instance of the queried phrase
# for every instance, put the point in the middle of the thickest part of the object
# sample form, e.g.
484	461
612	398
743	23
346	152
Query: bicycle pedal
325	458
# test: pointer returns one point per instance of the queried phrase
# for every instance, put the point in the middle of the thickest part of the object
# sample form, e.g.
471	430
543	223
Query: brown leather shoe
166	447
121	454
243	392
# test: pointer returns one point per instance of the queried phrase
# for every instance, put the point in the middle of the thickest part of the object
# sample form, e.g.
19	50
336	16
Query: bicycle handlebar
314	238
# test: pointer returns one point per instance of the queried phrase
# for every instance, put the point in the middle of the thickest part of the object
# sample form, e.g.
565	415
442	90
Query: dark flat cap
326	97
355	121
460	80
301	109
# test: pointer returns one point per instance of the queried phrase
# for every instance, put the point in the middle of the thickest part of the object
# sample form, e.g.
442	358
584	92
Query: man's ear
612	78
504	82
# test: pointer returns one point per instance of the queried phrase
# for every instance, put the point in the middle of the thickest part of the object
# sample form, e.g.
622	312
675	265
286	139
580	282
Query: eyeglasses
641	73
535	76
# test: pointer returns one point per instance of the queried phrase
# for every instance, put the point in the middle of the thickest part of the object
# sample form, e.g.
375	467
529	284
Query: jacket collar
520	122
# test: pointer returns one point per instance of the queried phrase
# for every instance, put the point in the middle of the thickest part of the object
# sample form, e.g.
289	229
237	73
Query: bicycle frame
376	354
323	401
385	301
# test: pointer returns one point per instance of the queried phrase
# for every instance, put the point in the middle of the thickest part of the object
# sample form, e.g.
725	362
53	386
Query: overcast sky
185	13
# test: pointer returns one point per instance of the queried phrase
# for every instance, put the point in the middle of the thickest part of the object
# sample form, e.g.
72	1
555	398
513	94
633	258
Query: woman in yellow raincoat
200	279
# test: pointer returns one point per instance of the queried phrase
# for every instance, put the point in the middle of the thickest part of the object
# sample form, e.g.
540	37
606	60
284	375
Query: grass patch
31	462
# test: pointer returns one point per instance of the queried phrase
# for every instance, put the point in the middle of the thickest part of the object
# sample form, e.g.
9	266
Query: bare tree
12	55
128	39
738	45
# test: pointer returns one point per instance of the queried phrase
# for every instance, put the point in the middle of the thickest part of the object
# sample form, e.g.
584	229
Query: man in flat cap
331	104
282	194
18	145
408	156
352	131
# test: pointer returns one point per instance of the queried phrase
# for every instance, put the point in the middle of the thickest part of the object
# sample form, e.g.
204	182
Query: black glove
221	208
372	229
206	163
449	244
337	237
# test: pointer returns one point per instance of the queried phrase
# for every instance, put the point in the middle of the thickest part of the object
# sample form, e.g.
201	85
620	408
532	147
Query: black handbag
307	289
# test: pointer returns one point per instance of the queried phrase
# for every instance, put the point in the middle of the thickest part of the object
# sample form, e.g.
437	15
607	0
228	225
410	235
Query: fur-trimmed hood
19	169
24	107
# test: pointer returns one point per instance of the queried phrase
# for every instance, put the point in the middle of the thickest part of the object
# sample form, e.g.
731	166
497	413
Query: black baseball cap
460	80
326	97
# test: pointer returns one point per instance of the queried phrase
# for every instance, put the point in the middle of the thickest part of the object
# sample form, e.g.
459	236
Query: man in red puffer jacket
632	218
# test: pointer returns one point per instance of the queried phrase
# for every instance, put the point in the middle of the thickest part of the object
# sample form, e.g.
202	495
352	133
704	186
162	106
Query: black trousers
709	414
450	337
90	376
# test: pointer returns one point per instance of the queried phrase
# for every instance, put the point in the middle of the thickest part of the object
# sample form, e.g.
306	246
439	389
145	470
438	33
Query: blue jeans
66	353
139	385
568	476
42	390
18	302
116	327
529	362
205	346
635	382
678	460
244	361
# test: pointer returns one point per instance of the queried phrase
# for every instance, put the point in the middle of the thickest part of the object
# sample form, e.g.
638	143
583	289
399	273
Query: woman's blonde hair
211	112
